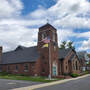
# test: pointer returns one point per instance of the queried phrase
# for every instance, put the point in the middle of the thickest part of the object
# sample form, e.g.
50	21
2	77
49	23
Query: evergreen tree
63	45
70	45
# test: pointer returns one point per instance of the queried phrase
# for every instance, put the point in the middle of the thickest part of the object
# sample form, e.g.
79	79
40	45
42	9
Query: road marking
11	83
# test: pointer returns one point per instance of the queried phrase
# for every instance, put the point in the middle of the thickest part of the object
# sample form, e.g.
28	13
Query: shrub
4	73
74	75
86	72
65	74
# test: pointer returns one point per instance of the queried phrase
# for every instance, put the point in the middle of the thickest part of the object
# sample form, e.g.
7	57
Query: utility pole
50	61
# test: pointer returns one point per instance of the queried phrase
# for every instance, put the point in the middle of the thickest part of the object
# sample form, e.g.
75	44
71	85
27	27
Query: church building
42	60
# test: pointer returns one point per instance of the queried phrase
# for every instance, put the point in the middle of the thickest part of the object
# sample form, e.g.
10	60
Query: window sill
16	70
25	70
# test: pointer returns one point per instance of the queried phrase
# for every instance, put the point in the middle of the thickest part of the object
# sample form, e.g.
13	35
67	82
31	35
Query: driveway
79	84
11	84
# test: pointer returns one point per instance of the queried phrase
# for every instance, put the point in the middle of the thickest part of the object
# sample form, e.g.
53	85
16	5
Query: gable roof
80	55
20	55
64	52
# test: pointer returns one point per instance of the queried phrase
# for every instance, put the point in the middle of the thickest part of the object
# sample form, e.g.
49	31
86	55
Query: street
11	84
80	84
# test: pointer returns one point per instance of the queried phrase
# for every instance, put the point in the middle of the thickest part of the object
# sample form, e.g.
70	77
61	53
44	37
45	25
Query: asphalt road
11	84
80	84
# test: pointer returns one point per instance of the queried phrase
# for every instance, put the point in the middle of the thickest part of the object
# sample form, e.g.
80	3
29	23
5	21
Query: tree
70	45
63	45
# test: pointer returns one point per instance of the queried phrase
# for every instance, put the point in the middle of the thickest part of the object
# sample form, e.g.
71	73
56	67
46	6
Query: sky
20	20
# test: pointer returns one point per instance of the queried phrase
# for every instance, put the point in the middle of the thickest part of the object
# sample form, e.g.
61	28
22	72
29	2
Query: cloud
72	22
8	8
83	35
14	30
39	13
16	35
85	45
65	15
64	34
21	22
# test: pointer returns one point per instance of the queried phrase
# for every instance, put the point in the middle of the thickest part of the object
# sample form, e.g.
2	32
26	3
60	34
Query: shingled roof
64	52
20	55
28	54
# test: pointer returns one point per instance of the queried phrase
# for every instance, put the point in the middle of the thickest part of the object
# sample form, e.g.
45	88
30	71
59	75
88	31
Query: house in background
88	67
43	59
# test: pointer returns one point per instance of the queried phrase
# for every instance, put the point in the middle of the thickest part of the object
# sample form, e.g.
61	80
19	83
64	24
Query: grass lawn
4	75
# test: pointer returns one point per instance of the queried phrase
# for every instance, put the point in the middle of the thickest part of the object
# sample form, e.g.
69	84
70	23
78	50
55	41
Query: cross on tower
47	20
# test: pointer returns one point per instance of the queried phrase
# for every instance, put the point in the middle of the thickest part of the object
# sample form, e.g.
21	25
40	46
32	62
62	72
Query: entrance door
54	70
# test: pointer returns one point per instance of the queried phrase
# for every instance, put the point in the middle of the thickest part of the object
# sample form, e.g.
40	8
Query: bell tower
49	54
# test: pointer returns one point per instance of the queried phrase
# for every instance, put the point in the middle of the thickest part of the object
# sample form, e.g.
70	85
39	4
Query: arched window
76	65
66	67
54	36
44	35
73	66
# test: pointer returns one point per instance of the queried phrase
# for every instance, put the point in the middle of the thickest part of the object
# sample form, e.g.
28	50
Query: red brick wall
66	63
21	68
33	68
38	67
78	65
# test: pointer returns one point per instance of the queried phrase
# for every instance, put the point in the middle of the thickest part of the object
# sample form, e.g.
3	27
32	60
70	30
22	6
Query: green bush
74	75
4	73
86	72
65	74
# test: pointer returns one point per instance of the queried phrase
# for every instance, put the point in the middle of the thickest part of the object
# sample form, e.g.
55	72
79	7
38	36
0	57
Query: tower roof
47	26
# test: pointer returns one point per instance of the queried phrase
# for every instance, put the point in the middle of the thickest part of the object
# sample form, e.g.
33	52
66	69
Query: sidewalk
49	84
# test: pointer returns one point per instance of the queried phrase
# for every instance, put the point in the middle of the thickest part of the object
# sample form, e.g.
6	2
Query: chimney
0	54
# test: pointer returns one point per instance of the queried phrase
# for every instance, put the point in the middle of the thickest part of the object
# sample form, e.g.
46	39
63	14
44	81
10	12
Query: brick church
39	60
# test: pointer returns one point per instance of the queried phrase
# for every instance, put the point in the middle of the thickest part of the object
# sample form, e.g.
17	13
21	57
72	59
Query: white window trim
24	68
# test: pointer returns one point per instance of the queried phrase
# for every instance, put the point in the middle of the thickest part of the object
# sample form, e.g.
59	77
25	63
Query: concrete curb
49	84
